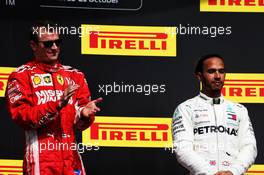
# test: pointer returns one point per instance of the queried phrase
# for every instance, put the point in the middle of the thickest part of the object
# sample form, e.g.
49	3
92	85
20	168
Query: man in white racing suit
212	135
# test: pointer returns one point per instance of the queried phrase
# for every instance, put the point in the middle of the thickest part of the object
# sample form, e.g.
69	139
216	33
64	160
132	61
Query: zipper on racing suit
216	101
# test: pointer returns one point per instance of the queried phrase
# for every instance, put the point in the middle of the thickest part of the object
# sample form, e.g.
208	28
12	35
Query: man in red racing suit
49	101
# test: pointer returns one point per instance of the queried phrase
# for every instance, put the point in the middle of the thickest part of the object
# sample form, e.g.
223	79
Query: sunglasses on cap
49	44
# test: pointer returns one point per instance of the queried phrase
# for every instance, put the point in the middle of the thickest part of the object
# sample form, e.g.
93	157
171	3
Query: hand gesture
91	108
67	94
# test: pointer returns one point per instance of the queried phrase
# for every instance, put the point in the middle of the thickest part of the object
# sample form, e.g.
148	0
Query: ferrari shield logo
60	79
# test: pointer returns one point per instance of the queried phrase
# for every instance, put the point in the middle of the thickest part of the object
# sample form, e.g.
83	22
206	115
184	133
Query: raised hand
91	108
67	94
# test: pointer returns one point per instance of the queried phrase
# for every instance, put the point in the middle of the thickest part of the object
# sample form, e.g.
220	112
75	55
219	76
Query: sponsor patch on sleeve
13	91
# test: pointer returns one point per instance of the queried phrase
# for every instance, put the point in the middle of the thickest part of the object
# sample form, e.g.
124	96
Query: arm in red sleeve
82	99
20	103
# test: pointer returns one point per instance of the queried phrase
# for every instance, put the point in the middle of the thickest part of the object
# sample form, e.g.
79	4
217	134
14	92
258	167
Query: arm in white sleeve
183	139
247	145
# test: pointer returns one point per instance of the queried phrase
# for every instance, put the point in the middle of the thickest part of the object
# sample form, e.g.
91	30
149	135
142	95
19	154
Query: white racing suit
209	137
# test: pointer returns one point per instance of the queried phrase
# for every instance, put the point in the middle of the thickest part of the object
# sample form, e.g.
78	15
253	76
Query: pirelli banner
244	87
128	40
232	5
4	74
8	167
14	167
129	132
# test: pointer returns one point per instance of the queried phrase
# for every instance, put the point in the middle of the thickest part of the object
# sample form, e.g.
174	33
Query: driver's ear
198	75
33	45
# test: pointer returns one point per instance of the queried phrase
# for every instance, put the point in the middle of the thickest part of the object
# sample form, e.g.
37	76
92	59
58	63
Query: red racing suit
33	93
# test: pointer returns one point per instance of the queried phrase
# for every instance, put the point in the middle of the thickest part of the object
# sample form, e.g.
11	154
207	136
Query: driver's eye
210	71
221	71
